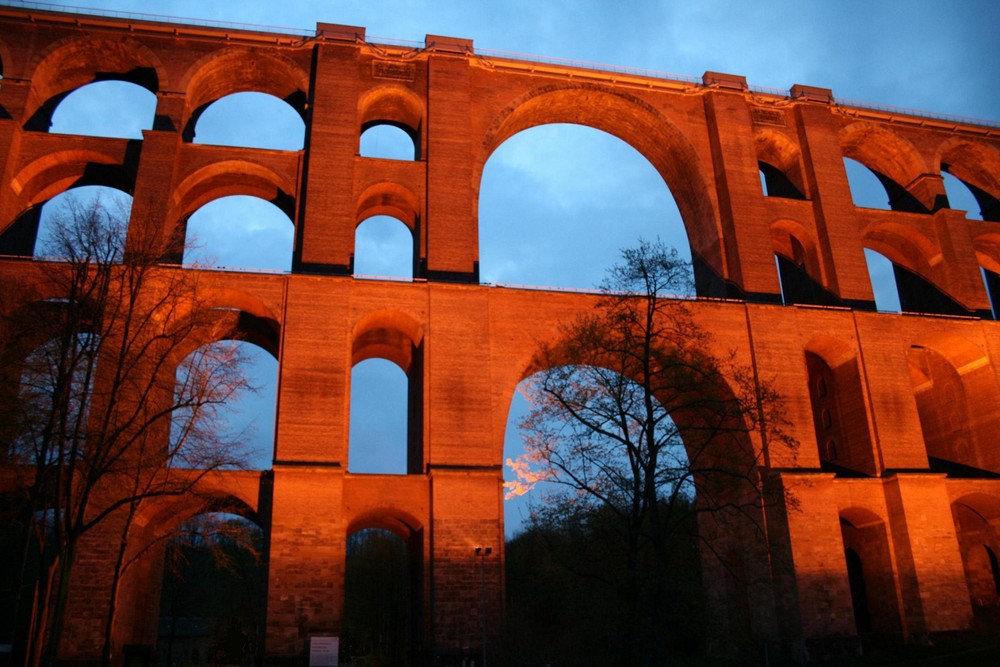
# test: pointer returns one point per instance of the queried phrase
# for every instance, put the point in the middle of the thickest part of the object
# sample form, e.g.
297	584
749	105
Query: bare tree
633	416
111	409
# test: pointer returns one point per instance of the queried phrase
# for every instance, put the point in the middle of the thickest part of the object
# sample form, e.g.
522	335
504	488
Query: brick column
749	252
325	235
837	226
451	234
928	561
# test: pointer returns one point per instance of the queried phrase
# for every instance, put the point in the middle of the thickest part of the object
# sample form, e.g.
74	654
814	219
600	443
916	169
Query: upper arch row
680	150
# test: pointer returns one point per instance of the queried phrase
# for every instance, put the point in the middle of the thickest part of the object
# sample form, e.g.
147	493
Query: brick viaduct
897	414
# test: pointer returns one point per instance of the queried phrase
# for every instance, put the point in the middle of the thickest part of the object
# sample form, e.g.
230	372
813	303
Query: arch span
641	126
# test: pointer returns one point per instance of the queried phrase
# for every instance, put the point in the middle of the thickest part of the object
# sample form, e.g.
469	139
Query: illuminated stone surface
907	397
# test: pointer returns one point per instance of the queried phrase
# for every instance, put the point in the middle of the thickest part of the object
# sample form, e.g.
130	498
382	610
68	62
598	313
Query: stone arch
957	400
911	249
870	572
387	334
54	173
784	177
397	106
978	166
72	62
47	177
895	161
397	337
646	130
977	526
234	70
709	430
392	199
396	521
987	247
223	179
800	265
840	407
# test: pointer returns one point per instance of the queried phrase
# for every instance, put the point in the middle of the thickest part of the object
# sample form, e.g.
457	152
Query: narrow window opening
379	418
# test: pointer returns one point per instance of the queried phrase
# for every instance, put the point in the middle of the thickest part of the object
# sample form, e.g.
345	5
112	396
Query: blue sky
938	57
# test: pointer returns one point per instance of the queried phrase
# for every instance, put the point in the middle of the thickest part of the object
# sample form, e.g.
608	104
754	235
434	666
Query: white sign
324	651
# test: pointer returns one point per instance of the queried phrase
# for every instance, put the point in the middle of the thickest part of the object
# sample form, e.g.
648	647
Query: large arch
235	70
894	160
71	63
645	129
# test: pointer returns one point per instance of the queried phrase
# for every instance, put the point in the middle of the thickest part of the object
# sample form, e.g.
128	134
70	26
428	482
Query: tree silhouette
639	423
104	407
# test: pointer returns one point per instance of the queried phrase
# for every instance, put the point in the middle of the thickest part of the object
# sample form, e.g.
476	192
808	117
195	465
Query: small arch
394	340
378	434
871	577
977	166
961	196
893	160
976	517
388	141
780	164
799	265
383	247
839	408
250	119
916	267
91	220
395	106
383	592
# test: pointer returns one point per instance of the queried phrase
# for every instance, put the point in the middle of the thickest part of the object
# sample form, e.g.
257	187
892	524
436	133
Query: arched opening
389	141
383	248
240	232
867	189
943	410
977	525
882	275
213	592
961	196
870	574
250	120
840	415
379	431
117	109
580	488
207	429
780	165
991	282
90	220
798	264
558	202
381	598
54	398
